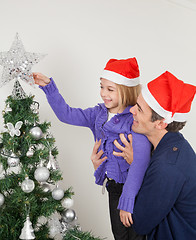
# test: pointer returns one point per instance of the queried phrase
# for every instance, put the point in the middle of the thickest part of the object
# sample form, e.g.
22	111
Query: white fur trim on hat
120	79
152	102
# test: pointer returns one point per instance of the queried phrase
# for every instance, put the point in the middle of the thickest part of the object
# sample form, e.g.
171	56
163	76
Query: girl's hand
96	156
127	151
126	218
40	79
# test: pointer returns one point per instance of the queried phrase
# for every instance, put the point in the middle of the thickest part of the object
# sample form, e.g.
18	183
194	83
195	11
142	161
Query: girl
119	90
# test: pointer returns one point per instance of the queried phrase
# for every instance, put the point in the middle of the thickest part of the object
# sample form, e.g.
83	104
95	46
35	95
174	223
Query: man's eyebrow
139	106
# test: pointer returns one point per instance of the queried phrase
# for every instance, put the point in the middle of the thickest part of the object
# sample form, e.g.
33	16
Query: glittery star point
17	63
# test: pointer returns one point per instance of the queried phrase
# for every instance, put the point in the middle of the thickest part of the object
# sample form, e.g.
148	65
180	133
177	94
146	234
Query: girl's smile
110	95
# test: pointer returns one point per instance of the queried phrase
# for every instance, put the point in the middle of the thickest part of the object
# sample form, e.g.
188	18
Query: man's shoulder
177	158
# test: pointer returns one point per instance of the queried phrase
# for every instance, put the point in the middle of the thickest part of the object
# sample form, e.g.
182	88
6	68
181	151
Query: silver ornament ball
68	215
2	199
27	185
41	174
36	133
58	193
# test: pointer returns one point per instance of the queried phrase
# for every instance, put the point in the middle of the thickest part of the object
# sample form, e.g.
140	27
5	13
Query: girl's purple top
116	168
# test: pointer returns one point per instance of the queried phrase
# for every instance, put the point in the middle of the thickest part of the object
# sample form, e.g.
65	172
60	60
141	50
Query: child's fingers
131	219
36	74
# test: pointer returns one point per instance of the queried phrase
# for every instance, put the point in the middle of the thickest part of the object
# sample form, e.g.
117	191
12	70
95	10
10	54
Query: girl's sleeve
66	114
99	174
141	159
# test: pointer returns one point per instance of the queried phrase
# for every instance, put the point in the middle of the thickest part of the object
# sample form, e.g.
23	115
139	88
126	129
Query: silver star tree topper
17	63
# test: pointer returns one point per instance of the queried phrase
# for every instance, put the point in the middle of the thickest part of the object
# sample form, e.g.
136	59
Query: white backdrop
79	37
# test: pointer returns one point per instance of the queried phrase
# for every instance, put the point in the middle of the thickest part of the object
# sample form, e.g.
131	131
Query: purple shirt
117	168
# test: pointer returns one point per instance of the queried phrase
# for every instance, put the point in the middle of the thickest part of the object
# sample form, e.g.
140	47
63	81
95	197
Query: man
165	207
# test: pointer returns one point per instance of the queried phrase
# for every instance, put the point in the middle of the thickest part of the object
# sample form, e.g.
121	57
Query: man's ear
160	124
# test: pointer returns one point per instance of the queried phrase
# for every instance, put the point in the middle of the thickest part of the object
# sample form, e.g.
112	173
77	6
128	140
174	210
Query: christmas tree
32	205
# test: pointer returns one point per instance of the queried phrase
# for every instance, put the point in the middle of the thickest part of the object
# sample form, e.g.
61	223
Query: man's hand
96	156
126	218
127	151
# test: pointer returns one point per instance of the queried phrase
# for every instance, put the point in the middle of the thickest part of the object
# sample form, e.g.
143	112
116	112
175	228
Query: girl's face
110	95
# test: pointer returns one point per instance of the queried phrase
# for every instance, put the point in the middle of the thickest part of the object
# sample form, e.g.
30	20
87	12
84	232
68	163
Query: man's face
142	117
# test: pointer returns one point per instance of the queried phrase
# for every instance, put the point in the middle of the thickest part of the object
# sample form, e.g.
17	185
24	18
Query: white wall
79	37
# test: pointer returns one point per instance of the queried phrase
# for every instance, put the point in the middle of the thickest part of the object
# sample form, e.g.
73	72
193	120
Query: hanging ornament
14	130
46	187
41	174
13	160
52	163
36	133
30	152
68	215
54	227
1	168
28	185
2	199
35	107
27	232
17	63
64	226
58	193
8	109
67	203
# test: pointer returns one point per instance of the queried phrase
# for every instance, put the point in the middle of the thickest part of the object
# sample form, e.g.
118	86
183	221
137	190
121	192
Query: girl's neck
120	110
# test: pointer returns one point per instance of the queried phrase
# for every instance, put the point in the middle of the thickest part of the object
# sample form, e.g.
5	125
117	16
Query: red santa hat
170	97
124	71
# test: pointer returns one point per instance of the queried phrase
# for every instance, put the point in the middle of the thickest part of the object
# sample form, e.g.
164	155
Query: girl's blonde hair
128	95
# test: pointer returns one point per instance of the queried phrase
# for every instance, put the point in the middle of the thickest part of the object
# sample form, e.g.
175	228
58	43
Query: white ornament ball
68	215
36	133
67	203
41	174
27	185
58	193
2	199
13	160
